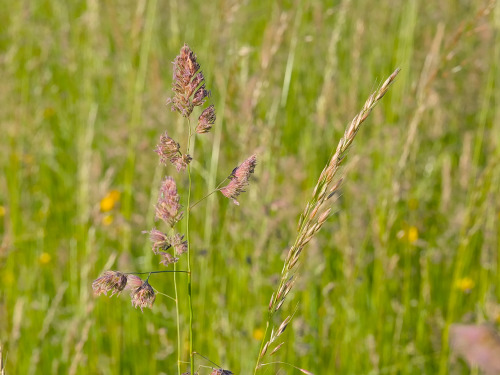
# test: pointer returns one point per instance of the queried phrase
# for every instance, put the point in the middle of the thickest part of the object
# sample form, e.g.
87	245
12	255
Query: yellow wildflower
408	234
412	234
2	211
258	334
109	201
465	284
44	258
115	195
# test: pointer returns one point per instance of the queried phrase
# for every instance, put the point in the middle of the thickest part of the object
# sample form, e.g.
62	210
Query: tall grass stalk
189	256
189	92
316	212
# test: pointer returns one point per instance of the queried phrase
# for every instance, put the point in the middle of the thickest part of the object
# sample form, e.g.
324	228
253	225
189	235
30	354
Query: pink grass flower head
167	259
206	120
169	151
167	207
182	162
178	243
239	179
200	96
110	281
143	296
160	240
188	81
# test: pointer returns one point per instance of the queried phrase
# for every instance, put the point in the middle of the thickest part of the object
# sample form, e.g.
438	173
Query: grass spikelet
206	120
168	207
169	152
239	179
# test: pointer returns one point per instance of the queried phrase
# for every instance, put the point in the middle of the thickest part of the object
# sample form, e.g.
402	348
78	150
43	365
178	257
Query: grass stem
189	285
177	322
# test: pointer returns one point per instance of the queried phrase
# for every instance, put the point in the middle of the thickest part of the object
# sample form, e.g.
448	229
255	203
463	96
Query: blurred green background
414	245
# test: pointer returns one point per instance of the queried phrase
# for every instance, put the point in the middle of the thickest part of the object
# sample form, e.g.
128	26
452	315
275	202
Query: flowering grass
410	250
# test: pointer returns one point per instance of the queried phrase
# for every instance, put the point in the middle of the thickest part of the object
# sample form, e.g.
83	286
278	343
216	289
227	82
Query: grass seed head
110	281
182	162
206	120
168	207
167	259
310	223
160	240
187	79
200	96
144	296
169	152
179	244
239	179
168	149
277	348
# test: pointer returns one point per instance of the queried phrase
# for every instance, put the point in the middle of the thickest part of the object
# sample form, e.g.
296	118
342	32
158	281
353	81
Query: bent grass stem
209	194
151	272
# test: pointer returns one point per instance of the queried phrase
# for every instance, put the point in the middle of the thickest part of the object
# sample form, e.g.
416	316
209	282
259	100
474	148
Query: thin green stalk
209	194
177	313
190	298
177	322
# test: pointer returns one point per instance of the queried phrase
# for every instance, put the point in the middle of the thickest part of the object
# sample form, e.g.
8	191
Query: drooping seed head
144	296
239	179
109	281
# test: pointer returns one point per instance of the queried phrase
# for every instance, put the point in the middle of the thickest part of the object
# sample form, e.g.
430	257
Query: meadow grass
412	248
